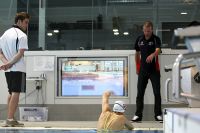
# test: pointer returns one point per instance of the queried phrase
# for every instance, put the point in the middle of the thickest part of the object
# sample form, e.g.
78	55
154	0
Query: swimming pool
10	130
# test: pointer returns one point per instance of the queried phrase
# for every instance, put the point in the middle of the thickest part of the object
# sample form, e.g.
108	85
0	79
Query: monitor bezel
59	72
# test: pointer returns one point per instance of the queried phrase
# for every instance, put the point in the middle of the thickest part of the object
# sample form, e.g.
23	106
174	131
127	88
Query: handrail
185	64
167	99
191	96
167	89
176	72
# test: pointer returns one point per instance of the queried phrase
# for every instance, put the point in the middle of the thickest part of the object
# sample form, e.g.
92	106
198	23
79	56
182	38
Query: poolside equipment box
33	113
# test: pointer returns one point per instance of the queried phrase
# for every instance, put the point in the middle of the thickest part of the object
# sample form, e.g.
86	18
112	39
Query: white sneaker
136	118
159	118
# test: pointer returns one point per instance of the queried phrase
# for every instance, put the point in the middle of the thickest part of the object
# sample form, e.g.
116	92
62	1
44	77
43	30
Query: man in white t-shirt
13	43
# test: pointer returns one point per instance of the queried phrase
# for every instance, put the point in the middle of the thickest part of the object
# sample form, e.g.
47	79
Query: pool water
10	130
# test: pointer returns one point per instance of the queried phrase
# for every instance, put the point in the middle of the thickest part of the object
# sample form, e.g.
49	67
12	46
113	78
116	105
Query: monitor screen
92	76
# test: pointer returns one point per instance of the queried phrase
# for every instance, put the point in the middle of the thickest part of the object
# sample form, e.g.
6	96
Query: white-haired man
113	120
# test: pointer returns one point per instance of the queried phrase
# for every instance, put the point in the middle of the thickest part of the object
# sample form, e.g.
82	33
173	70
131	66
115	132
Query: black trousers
143	78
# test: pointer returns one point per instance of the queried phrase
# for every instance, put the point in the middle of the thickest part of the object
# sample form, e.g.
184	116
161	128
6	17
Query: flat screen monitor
85	76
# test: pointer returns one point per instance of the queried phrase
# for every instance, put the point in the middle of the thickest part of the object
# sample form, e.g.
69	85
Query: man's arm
137	61
153	55
15	59
157	52
2	57
128	125
105	101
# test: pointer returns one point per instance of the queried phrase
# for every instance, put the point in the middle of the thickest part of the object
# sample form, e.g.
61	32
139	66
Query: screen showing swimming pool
92	76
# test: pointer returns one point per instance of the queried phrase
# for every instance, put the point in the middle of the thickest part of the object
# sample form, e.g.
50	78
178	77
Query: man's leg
8	99
14	81
141	87
155	80
13	101
8	102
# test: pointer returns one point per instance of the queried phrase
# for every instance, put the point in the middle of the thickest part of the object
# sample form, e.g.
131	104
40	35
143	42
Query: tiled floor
76	127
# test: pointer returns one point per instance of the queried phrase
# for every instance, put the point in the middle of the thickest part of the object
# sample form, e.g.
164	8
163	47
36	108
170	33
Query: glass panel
89	24
173	14
9	8
72	19
33	32
8	11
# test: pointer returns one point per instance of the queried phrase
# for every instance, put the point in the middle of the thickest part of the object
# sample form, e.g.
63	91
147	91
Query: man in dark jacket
147	48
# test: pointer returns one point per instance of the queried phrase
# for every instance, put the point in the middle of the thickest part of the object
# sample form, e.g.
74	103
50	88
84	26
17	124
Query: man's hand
150	58
105	99
5	66
153	55
108	93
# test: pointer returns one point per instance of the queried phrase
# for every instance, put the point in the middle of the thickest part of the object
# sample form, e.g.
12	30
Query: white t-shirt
8	47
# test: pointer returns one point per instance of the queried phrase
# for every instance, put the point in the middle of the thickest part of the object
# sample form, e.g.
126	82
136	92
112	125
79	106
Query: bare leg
13	101
8	99
8	102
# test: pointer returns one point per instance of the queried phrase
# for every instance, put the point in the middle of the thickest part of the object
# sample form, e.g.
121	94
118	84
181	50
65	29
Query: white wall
49	86
50	90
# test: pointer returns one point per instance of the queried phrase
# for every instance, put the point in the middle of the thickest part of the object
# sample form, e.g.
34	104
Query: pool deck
83	125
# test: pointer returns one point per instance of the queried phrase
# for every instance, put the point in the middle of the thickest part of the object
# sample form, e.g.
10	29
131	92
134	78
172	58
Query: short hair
21	16
148	24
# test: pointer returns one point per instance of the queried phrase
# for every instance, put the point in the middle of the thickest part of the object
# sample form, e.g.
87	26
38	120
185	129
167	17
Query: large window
92	76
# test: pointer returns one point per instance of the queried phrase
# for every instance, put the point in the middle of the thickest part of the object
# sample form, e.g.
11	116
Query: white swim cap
119	106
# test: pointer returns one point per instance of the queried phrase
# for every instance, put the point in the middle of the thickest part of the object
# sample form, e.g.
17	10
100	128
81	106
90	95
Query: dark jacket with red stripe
147	47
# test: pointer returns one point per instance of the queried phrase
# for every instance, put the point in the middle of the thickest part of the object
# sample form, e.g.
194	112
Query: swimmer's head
119	106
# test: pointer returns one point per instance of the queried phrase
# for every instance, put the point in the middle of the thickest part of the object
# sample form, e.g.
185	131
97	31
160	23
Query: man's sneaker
13	123
136	118
159	118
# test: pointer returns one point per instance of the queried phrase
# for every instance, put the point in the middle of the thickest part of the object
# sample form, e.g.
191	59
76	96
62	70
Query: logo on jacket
141	43
150	43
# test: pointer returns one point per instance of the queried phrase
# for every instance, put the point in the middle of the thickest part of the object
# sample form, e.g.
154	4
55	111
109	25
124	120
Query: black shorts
16	81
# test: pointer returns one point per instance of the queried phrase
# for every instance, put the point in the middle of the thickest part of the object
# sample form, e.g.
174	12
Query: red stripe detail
138	66
157	64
